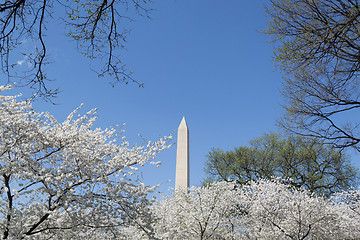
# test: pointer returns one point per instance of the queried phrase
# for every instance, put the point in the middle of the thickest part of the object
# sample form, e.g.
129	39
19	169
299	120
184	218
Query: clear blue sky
203	59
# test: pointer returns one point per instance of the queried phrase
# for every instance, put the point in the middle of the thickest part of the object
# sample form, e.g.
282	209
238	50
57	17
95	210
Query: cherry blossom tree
202	213
263	209
279	211
68	180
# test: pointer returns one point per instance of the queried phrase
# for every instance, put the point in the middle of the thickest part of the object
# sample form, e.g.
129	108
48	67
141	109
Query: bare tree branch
99	29
319	54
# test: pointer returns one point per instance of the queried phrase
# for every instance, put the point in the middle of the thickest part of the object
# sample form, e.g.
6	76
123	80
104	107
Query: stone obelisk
182	157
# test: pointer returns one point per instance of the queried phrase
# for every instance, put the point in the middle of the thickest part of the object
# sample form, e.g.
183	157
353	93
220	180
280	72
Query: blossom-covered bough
67	180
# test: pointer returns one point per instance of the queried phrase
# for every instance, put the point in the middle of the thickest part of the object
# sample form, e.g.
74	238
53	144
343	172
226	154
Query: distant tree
318	49
99	29
67	180
307	162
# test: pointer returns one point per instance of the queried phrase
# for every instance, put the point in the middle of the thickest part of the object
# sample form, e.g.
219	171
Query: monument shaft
182	157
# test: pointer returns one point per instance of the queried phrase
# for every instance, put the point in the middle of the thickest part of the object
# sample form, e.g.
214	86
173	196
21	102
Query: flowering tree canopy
202	213
263	209
279	211
66	180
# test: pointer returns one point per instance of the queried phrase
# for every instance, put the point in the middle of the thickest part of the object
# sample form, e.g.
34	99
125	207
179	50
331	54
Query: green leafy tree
306	162
318	49
98	27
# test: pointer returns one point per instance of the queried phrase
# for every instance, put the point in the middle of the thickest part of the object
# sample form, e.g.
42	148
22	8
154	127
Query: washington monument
182	157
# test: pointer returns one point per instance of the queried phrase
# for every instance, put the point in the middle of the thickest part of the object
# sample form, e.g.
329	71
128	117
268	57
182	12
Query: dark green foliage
307	162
